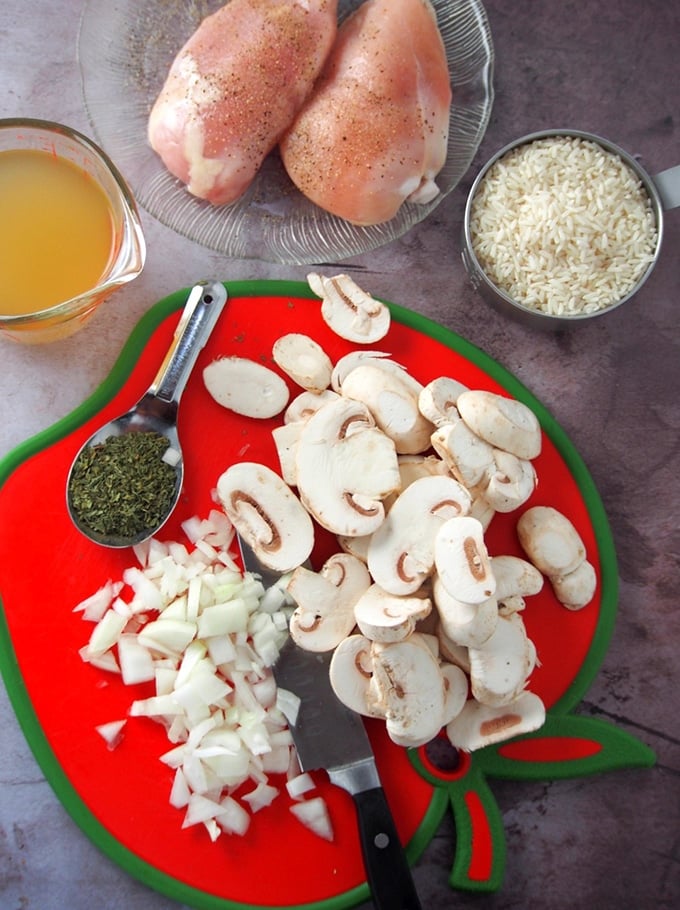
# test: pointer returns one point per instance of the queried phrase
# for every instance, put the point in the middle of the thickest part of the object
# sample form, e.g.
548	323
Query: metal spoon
156	411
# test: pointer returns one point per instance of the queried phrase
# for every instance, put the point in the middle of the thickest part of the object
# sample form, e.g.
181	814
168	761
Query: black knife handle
387	871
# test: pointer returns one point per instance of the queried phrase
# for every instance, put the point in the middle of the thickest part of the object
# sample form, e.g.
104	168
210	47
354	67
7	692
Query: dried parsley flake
122	486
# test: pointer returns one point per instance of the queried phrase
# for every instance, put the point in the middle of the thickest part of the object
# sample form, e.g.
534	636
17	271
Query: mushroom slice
401	551
392	398
307	403
246	387
464	624
357	546
469	458
412	467
350	311
480	725
384	617
350	361
550	540
452	652
345	467
575	590
511	482
350	671
503	422
437	400
304	360
500	668
481	510
324	612
408	687
462	560
515	577
286	439
268	515
456	691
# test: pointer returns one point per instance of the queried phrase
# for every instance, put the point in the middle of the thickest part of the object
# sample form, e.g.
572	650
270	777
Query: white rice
563	226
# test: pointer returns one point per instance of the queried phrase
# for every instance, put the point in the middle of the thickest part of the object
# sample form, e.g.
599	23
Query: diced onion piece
289	704
313	813
262	796
111	733
106	633
233	818
299	785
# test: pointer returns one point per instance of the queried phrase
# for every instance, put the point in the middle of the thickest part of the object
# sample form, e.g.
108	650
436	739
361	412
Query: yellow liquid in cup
56	231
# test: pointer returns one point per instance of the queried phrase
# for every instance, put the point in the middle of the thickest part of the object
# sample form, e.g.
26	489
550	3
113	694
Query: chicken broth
57	231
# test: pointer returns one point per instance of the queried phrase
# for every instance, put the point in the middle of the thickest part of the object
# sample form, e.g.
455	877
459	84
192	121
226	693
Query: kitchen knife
329	736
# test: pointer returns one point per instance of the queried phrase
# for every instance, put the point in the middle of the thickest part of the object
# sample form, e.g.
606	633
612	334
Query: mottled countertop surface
606	842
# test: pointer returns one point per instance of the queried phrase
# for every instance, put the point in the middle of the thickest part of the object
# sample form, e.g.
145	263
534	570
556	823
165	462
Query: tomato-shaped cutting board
120	797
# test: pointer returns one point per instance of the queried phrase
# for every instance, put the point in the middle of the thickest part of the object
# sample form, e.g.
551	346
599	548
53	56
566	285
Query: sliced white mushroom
357	546
511	482
464	624
505	423
407	685
345	467
456	691
481	509
469	458
575	590
437	400
305	404
412	467
286	438
348	310
392	399
246	387
550	540
349	362
266	512
401	550
480	725
385	617
351	670
500	668
325	601
304	360
516	578
462	560
451	651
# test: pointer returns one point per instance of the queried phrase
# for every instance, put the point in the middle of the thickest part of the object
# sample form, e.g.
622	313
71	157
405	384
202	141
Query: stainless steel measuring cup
664	194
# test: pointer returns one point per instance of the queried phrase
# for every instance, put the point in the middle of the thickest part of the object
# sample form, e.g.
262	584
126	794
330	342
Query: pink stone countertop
606	842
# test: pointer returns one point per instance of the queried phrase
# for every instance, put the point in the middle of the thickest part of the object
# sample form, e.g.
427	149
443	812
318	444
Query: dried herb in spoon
122	486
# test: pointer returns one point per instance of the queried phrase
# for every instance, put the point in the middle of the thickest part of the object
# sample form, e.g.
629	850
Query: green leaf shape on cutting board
566	746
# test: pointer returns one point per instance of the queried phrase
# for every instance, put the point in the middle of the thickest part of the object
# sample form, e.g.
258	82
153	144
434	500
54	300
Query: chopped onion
313	813
186	623
111	733
299	785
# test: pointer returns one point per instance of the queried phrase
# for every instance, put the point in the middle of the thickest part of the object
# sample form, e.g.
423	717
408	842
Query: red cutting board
120	797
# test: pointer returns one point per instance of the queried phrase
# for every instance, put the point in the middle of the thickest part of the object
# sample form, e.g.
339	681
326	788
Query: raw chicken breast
374	132
234	88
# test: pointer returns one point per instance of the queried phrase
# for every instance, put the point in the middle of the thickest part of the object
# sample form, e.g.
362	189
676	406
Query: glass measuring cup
67	147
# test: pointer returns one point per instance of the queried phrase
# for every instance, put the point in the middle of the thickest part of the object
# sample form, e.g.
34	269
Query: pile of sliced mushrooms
424	624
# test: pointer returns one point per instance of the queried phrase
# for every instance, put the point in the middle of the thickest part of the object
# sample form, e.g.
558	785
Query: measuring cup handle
668	185
201	311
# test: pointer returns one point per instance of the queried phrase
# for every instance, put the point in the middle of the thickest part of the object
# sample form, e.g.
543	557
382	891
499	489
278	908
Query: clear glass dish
125	50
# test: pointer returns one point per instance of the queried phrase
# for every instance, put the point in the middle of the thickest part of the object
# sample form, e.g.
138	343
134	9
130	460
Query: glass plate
125	49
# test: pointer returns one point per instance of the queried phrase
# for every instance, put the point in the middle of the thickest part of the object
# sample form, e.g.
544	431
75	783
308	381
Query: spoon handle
201	311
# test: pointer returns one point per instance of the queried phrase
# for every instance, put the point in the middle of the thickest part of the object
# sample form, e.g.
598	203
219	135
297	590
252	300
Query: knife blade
329	736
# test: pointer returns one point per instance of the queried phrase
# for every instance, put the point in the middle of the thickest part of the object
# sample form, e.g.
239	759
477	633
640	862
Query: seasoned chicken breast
375	130
235	87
